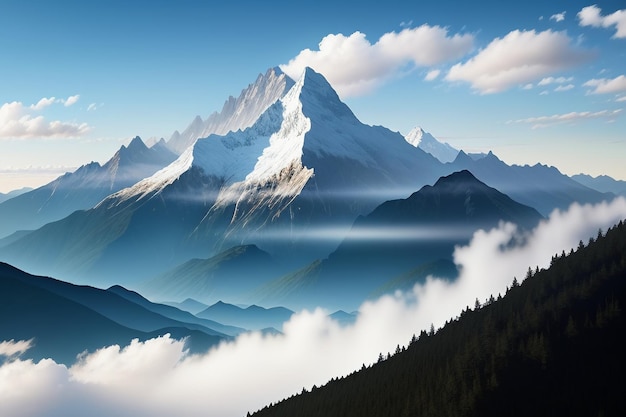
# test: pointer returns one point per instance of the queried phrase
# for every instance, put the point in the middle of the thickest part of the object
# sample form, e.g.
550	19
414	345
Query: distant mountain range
83	188
602	183
539	186
11	194
253	317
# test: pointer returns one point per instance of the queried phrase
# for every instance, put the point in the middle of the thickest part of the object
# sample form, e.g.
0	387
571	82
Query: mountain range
83	188
602	183
266	197
65	319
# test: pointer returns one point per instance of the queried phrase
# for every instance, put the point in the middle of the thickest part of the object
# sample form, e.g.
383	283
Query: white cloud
71	100
43	103
592	16
552	80
92	107
12	348
528	86
354	66
432	75
158	378
17	123
607	86
558	17
564	87
518	58
620	99
556	119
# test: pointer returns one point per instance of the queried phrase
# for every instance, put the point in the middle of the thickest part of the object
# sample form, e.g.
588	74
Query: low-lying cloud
158	378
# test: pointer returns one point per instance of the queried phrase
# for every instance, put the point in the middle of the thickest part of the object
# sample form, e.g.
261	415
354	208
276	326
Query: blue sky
534	82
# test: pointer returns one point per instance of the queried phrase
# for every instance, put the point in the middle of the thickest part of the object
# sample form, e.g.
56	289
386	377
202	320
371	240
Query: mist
160	378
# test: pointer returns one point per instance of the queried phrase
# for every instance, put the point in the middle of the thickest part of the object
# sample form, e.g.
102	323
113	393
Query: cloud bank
158	378
518	58
354	66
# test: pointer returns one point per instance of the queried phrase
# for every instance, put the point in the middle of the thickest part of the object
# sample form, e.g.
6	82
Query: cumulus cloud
572	117
518	58
159	378
558	17
17	122
607	86
354	66
592	16
432	75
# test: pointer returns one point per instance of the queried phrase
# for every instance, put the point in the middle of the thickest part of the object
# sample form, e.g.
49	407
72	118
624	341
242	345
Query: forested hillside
550	346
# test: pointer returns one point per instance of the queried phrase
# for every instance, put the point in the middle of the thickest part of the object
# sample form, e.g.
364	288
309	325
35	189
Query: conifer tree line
552	345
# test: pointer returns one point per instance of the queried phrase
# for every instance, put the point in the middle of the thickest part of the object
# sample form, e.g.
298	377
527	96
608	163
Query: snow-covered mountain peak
419	138
414	137
237	113
319	98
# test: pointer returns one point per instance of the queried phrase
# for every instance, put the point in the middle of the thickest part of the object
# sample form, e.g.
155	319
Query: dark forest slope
551	346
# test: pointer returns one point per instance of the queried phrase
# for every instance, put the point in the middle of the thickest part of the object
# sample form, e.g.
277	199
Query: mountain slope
237	113
83	188
400	235
225	276
552	344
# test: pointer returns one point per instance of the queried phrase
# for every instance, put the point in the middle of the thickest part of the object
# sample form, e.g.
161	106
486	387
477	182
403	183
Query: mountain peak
136	144
414	137
318	97
419	138
457	177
